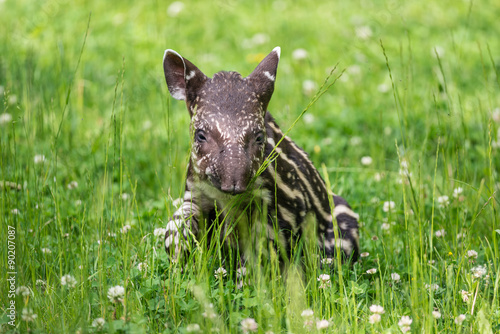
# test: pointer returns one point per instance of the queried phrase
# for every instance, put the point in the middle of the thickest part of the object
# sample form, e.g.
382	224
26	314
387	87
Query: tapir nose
233	188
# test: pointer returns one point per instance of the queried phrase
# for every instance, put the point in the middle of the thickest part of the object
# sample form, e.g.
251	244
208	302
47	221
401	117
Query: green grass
421	89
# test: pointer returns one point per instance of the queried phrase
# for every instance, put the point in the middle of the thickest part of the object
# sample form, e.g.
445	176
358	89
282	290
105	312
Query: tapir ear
264	76
183	78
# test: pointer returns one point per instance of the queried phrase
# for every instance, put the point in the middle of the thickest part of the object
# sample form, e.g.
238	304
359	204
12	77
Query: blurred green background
41	43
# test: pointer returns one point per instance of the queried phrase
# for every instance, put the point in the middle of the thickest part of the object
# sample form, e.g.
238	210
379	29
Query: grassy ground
95	153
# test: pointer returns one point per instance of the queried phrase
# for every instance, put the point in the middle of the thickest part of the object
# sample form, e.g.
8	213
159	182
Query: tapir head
227	118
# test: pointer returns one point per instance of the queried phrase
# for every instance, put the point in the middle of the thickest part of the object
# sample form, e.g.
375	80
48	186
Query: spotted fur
242	168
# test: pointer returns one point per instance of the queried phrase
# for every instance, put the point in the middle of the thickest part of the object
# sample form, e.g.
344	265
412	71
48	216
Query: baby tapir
244	176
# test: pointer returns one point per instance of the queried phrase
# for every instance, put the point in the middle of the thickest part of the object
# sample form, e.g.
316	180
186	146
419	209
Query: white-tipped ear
183	78
175	69
278	51
268	67
264	75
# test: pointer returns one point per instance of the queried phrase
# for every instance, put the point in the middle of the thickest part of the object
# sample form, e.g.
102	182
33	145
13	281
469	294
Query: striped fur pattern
233	134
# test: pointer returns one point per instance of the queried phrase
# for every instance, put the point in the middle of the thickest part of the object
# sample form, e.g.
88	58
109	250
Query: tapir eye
259	139
199	136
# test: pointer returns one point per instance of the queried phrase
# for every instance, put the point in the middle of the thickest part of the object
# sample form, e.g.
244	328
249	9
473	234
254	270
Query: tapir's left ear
183	78
264	76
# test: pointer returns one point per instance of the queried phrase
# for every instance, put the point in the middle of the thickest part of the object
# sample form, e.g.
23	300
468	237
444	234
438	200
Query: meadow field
94	153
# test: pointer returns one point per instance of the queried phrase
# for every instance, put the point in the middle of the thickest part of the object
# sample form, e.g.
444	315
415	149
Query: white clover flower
495	115
461	235
374	318
307	313
46	251
125	228
363	32
28	315
364	254
308	118
405	173
440	233
354	69
389	206
23	291
175	8
209	311
383	88
377	309
378	177
465	295
366	161
257	39
193	328
116	294
78	202
405	321
371	271
436	314
241	272
322	324
125	196
478	272
72	185
355	140
68	280
146	125
309	87
443	201
260	38
327	261
457	191
14	211
159	232
324	281
299	54
472	254
220	273
395	277
249	325
308	323
460	319
5	118
39	159
405	329
142	266
385	226
98	323
12	99
431	286
439	50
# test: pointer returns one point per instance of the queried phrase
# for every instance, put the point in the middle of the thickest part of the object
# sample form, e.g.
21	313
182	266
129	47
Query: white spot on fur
191	75
269	75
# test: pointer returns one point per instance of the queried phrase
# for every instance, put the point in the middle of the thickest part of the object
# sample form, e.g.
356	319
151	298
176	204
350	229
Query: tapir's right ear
183	78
